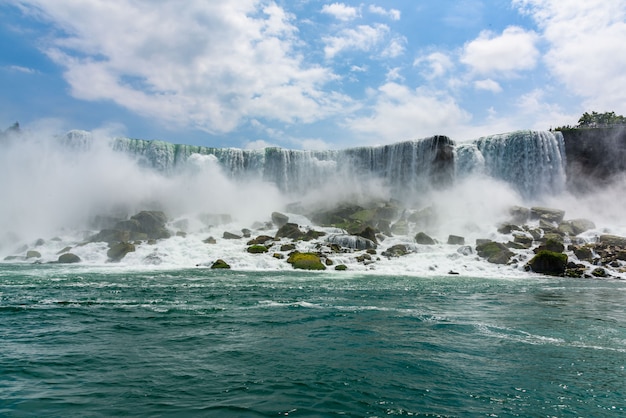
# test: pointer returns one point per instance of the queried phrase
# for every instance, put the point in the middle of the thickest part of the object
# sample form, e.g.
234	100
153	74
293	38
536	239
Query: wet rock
306	261
289	230
230	235
547	214
368	233
119	250
423	239
341	267
613	240
220	264
353	242
551	244
279	219
257	249
494	252
68	258
465	250
549	262
583	253
519	214
397	250
210	240
261	239
33	254
456	240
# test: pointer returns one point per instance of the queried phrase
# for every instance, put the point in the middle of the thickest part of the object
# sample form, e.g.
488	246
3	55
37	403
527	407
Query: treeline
595	120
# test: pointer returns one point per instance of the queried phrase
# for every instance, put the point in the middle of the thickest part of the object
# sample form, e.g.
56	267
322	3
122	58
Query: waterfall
530	161
533	162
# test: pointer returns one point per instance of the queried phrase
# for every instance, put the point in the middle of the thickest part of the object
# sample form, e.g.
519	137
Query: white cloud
258	144
437	63
20	69
341	11
393	14
512	51
361	38
586	48
400	113
206	65
395	48
488	84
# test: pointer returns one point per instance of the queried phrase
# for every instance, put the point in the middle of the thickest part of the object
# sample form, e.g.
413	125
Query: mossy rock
552	244
397	250
494	252
257	249
549	262
220	264
68	258
306	261
341	267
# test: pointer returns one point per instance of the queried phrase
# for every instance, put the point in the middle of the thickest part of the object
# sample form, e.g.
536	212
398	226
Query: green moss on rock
257	249
549	262
306	261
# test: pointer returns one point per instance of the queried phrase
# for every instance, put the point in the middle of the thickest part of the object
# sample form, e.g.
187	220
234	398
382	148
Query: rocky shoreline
536	239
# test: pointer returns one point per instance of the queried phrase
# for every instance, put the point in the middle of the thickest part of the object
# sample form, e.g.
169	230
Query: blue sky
308	74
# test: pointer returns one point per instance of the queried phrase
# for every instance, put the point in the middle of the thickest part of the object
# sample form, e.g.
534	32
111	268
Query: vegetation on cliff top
595	120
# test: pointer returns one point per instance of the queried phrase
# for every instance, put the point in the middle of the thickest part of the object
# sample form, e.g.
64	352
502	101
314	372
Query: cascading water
531	161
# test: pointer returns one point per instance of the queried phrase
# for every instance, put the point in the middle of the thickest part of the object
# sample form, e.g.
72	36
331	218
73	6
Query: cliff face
594	156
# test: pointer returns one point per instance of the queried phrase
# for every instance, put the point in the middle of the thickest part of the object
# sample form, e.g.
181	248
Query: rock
33	254
261	239
368	233
278	256
456	240
465	250
40	242
68	258
551	244
230	235
289	230
306	261
328	262
287	247
246	233
213	219
119	250
210	240
494	252
547	214
549	262
422	238
508	228
613	240
64	250
583	253
581	225
397	250
220	264
279	219
363	257
400	228
424	218
257	249
152	223
312	234
351	241
341	267
524	240
519	214
142	226
599	272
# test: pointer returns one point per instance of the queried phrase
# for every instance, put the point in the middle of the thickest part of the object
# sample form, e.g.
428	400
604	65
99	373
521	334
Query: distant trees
596	120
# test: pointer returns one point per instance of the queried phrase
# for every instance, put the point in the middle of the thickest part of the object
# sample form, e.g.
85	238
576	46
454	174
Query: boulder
119	250
583	253
261	239
341	267
508	228
456	240
547	214
279	219
230	235
423	239
575	226
519	214
257	249
152	223
33	254
400	228
289	230
68	258
306	261
287	247
613	240
368	233
354	242
551	244
397	250
549	262
220	264
210	240
494	252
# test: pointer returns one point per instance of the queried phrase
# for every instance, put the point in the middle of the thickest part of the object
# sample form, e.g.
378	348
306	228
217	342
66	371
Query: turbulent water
80	341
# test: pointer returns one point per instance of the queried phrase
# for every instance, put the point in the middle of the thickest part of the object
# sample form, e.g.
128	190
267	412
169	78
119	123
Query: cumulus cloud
341	11
488	84
206	65
401	113
586	48
393	14
361	38
436	64
508	53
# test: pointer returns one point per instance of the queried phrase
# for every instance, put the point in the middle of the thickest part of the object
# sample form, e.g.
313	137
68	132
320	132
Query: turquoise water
109	342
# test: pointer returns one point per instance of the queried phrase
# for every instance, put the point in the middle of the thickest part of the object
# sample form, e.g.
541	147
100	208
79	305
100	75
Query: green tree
595	119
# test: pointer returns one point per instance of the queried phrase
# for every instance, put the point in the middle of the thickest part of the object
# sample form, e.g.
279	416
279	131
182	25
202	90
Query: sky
309	74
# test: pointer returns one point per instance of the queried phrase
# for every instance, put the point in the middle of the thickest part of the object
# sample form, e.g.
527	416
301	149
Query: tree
595	119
